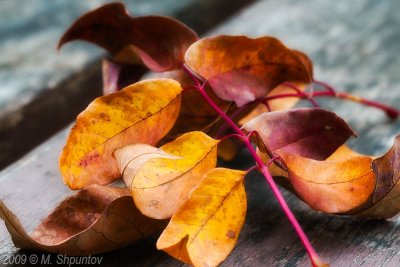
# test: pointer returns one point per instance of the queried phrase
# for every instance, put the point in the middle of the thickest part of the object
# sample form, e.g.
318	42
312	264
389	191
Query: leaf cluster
156	135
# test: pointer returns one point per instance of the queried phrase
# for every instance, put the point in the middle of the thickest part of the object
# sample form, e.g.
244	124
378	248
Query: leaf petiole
331	92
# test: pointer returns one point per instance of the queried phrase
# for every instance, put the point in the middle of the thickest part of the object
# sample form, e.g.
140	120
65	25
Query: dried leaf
141	113
332	186
97	219
384	202
119	75
242	69
159	42
162	184
310	132
205	229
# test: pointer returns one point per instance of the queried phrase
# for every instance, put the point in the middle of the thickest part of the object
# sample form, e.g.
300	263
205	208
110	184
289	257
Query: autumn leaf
95	220
159	42
333	185
119	75
162	181
242	69
141	113
345	183
310	132
384	202
205	229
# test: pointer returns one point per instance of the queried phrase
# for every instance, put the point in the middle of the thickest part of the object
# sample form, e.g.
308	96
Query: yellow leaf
141	113
161	179
206	228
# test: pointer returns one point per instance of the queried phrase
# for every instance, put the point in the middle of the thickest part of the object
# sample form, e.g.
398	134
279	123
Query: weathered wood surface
36	81
355	46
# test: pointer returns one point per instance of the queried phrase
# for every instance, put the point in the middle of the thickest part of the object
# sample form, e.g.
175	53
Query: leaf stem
262	168
331	92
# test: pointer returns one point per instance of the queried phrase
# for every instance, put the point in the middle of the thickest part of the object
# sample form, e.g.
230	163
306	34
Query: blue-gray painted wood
29	30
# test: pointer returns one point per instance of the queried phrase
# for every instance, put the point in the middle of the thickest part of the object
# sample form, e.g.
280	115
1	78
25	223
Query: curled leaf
242	69
141	113
97	219
333	185
158	42
205	229
385	200
161	179
310	132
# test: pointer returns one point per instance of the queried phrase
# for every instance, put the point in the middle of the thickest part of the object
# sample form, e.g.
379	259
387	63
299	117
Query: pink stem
264	170
309	97
390	111
224	127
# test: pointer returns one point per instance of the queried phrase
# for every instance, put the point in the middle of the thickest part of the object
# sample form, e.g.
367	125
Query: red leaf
159	42
310	132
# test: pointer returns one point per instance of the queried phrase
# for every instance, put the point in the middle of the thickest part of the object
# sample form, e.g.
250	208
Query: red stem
304	95
390	111
263	169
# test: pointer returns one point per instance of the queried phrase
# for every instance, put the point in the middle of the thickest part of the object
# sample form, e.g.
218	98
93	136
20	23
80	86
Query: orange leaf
205	229
141	113
242	69
97	219
161	179
334	185
384	202
159	42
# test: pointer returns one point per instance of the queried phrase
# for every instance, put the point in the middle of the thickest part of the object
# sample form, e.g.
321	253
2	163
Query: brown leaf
242	69
96	219
158	42
205	229
141	113
310	132
161	179
385	200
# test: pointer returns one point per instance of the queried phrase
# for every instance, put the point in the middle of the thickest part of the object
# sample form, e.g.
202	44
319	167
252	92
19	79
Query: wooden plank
338	36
